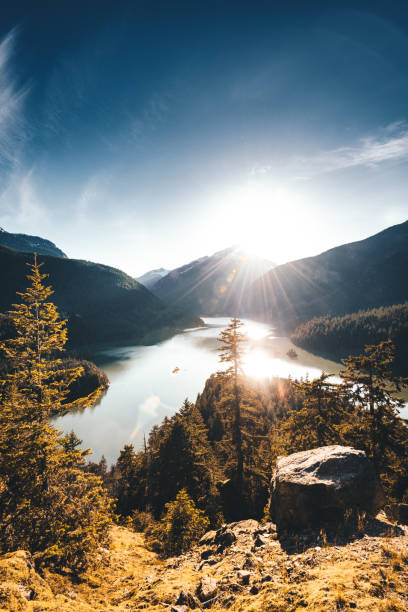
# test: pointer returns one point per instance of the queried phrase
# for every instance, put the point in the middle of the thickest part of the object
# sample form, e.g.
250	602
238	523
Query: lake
148	383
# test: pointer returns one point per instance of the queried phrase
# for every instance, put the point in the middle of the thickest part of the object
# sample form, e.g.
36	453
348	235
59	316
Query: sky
145	134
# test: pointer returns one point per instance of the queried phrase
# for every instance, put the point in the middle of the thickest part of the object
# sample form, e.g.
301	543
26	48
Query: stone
179	609
254	590
225	537
208	538
266	578
259	541
207	589
244	576
397	513
248	563
245	526
316	487
186	598
206	553
25	591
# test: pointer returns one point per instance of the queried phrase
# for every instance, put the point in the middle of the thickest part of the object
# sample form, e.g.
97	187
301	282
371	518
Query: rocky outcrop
318	486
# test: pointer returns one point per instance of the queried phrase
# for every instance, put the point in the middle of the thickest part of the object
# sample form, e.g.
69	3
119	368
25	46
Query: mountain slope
367	574
29	244
348	278
212	285
102	304
150	278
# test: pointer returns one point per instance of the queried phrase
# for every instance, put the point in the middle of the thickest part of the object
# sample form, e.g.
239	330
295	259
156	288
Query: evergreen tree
231	350
374	391
35	353
48	503
127	497
181	526
321	418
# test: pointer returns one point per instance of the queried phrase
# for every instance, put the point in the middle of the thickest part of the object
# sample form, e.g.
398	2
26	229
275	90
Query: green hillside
339	337
102	304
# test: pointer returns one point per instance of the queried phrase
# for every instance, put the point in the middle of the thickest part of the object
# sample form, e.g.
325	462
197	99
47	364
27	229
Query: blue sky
145	134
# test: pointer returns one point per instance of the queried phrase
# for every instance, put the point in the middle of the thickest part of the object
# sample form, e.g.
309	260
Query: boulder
225	537
207	588
316	487
208	538
397	513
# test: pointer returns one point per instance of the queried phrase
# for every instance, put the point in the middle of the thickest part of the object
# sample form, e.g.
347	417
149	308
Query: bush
181	526
141	521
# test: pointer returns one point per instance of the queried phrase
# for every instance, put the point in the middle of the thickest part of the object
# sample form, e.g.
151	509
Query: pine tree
48	503
231	351
321	418
127	482
373	388
374	391
35	353
181	526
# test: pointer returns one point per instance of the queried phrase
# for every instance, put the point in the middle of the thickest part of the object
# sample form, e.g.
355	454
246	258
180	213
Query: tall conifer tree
231	350
48	504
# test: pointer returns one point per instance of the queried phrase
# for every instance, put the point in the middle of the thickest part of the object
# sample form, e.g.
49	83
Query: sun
259	215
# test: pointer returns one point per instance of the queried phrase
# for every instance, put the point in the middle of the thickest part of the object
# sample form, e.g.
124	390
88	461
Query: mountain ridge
102	304
149	278
212	284
29	244
368	273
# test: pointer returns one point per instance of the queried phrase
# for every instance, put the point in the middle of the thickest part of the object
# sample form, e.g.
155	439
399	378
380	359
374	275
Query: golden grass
370	574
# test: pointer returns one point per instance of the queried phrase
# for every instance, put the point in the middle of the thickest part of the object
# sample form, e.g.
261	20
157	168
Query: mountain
213	285
150	278
102	304
360	275
29	244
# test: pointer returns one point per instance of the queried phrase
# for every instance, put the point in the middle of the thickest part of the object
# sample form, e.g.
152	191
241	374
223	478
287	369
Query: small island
292	353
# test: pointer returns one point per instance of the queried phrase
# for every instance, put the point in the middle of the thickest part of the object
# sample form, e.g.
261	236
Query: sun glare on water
255	331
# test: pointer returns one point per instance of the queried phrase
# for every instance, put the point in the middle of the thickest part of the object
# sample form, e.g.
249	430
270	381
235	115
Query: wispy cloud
20	206
11	102
93	193
388	144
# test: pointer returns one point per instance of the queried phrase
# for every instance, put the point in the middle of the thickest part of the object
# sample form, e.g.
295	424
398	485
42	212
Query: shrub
181	526
141	521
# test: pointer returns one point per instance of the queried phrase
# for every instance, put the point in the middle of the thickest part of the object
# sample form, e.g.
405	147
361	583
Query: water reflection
151	382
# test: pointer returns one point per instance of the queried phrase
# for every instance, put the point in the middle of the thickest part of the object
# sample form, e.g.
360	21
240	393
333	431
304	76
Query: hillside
339	337
150	278
102	304
213	285
365	573
29	244
360	275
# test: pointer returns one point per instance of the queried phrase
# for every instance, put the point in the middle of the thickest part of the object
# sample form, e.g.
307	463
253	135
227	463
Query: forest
345	335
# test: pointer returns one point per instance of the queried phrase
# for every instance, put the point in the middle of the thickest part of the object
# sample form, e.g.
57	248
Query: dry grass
368	574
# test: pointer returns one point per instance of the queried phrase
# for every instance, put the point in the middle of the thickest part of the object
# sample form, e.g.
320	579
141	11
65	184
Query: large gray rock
316	487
